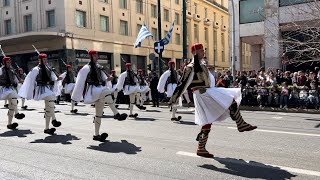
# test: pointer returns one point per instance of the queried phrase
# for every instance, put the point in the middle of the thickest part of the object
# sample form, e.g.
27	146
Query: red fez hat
171	62
139	70
40	56
128	64
91	52
5	59
20	69
68	66
113	71
197	46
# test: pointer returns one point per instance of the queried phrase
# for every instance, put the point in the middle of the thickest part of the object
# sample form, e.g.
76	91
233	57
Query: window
104	23
215	17
166	15
105	1
7	24
196	32
6	2
206	34
223	47
195	8
154	32
124	28
51	21
154	12
205	12
123	4
81	19
177	1
222	20
139	6
177	18
28	23
178	38
215	55
138	28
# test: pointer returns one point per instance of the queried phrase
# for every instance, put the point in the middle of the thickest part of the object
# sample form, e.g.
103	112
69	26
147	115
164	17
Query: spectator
295	78
313	98
284	96
302	79
221	82
273	95
271	80
294	97
287	79
154	91
262	95
303	97
243	79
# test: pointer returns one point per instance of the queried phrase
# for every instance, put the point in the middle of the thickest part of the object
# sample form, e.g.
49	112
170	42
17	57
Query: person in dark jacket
154	91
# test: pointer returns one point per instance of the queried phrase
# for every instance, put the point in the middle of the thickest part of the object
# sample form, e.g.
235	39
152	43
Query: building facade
265	24
66	29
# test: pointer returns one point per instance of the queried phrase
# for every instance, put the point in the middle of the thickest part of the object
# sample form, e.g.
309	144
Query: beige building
65	29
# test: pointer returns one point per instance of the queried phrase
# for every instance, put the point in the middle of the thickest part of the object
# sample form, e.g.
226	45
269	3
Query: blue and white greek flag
143	34
166	40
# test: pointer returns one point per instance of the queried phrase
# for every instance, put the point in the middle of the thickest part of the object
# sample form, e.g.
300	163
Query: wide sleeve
63	76
121	80
27	88
162	81
77	94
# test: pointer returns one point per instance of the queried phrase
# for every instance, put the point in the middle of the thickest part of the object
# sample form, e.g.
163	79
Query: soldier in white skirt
68	82
91	87
42	83
128	82
113	85
21	77
168	83
8	90
211	103
143	89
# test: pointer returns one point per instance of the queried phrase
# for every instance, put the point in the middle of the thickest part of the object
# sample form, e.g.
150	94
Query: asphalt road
286	146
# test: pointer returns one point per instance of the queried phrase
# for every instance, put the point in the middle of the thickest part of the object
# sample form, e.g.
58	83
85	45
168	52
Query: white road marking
270	166
283	132
277	117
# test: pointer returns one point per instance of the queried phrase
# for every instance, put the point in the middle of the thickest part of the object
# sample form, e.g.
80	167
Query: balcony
189	14
196	17
217	4
206	21
216	25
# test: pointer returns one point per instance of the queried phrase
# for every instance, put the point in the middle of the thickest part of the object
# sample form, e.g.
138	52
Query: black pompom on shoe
19	116
56	123
13	126
50	131
101	137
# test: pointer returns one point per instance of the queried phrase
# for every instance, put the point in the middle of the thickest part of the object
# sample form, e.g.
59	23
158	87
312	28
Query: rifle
4	55
47	66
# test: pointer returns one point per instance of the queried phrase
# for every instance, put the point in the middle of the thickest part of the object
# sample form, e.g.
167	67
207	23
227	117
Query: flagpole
159	35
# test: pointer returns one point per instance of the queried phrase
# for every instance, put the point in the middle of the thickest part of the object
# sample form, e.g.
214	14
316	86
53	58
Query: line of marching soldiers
92	85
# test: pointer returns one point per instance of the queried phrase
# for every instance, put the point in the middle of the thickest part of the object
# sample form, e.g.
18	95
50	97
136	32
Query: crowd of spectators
274	88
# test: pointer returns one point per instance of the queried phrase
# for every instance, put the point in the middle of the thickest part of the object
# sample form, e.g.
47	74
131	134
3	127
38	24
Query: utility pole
184	23
233	43
159	35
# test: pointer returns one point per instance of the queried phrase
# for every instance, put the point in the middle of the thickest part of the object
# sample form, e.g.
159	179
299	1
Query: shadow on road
239	167
317	126
77	114
153	111
54	112
63	139
18	133
186	123
27	109
143	119
117	147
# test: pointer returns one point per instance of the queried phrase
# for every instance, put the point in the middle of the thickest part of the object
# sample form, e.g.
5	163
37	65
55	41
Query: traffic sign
158	47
